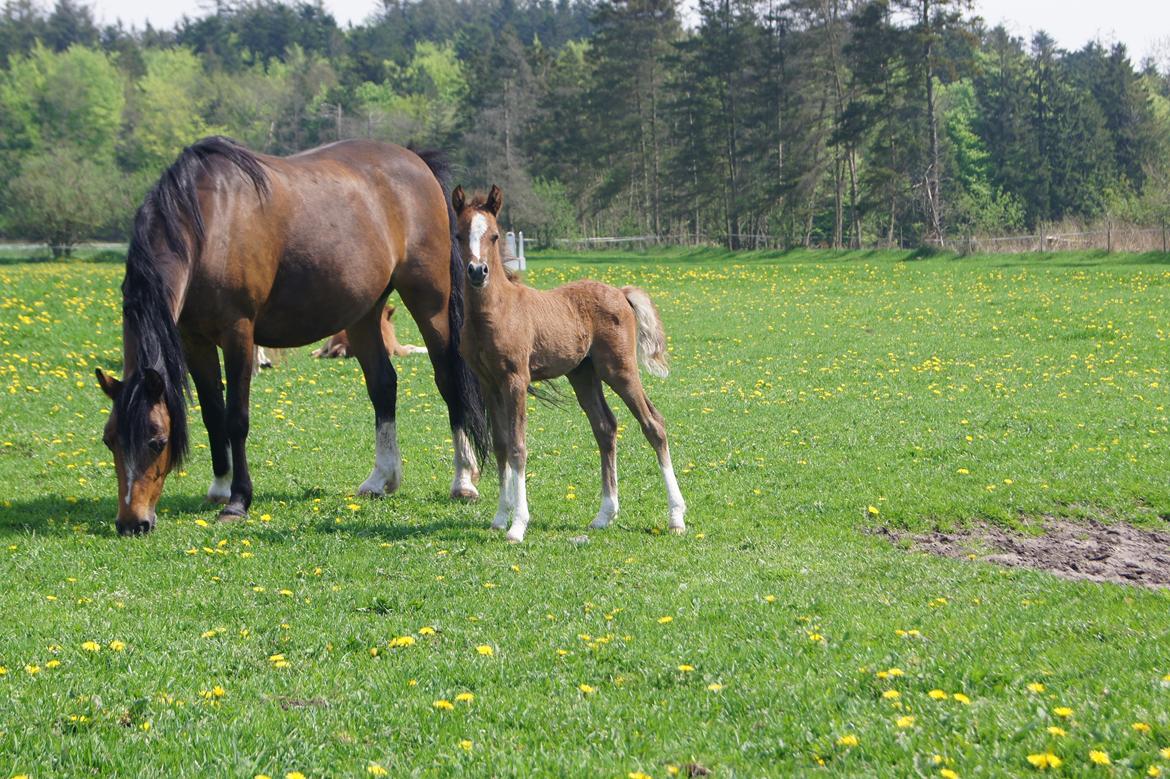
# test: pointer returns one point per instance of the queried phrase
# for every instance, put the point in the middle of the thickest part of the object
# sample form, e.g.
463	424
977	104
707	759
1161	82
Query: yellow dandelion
1153	771
1036	687
947	773
873	510
586	688
1098	757
117	646
686	668
905	722
714	686
485	650
32	670
52	664
1141	727
1043	760
426	630
443	705
937	695
373	769
466	744
353	506
848	740
464	697
91	646
1063	711
891	694
208	634
402	641
637	775
769	598
294	775
961	698
1059	732
665	620
1165	753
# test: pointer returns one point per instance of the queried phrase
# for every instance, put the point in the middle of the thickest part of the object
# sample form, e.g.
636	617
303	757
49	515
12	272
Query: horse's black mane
168	220
468	412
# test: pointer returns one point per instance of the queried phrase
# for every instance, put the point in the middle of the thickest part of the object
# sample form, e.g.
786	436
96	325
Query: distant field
813	397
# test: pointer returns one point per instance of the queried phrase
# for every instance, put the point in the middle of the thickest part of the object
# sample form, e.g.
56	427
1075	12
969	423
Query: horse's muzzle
135	526
477	273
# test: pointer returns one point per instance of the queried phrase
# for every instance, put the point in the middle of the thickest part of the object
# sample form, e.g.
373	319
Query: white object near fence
514	251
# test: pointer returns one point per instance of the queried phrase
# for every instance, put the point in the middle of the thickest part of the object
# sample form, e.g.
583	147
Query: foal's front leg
514	402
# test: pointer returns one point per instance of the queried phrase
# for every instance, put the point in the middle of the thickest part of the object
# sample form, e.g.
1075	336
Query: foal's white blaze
220	490
475	235
507	501
674	498
465	467
387	473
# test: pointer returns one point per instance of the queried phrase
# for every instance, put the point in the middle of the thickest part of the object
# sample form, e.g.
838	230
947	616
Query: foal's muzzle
477	273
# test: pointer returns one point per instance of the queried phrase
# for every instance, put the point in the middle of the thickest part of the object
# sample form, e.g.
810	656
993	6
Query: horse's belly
296	315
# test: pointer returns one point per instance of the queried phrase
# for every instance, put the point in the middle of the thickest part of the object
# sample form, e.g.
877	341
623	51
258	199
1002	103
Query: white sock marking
504	511
387	473
465	466
674	498
520	498
221	486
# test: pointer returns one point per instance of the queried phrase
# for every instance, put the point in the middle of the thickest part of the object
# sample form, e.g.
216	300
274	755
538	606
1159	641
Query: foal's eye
158	444
495	237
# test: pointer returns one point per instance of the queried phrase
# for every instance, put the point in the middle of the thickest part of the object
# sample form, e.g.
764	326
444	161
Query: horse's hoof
232	514
218	500
466	494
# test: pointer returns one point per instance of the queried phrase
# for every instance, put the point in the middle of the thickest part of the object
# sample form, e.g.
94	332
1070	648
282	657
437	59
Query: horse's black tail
170	212
467	409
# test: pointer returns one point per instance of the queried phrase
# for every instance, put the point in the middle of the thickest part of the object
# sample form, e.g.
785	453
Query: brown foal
588	331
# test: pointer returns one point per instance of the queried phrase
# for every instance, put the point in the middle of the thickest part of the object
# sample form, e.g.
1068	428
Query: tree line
759	122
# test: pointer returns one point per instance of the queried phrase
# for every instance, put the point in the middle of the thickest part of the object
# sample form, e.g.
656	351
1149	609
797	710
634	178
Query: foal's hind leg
365	343
591	396
628	385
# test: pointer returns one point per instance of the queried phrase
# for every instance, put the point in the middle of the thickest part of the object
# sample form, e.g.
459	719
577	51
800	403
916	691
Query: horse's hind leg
238	355
429	310
365	343
203	363
628	385
591	396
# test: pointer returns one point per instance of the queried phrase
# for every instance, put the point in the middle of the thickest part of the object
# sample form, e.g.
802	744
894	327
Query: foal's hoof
678	531
601	523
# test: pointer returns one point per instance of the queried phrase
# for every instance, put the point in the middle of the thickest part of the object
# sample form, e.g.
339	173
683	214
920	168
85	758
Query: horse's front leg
365	343
238	357
515	402
203	363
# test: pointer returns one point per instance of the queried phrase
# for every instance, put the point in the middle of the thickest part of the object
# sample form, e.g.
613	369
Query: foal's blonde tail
651	335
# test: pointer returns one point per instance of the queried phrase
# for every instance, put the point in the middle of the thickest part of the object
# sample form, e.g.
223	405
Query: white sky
1143	25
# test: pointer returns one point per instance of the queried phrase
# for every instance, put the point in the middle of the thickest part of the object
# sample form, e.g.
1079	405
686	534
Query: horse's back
322	248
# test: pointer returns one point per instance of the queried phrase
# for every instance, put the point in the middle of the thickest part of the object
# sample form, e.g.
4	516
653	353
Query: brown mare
338	343
232	249
589	331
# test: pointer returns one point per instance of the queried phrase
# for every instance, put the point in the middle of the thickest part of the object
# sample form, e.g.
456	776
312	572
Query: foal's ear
153	381
458	200
111	386
495	201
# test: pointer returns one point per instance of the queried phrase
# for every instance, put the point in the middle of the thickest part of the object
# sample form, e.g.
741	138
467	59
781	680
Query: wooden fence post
1164	235
1108	236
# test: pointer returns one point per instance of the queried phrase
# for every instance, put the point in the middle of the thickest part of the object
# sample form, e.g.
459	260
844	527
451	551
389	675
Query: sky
1142	25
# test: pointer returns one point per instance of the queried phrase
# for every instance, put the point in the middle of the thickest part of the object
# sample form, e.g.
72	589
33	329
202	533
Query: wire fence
1108	237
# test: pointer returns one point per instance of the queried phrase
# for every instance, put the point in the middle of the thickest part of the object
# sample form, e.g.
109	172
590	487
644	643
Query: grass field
813	397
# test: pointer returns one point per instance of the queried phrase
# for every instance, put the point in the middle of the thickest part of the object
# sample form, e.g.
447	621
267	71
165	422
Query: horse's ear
111	386
153	381
458	200
495	201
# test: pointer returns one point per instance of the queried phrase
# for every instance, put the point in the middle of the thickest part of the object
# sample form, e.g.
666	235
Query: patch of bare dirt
1115	552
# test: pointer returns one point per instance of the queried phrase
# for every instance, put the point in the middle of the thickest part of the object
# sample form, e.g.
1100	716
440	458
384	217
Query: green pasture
813	398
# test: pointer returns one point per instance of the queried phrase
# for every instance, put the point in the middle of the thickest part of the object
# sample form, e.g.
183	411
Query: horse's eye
158	444
109	442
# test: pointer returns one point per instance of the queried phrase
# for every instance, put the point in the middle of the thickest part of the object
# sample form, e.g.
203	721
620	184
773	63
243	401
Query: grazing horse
586	330
338	343
231	249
